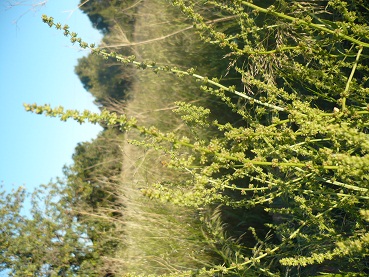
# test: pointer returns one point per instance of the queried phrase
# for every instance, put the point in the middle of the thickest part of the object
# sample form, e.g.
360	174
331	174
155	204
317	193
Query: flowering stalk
124	123
153	66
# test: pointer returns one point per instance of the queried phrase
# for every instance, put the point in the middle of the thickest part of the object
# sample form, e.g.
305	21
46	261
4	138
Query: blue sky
37	66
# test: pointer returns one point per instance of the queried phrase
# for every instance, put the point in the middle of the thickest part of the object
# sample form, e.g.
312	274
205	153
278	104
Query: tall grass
160	237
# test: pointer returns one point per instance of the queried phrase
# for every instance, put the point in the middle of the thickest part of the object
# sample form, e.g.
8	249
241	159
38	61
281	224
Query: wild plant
300	149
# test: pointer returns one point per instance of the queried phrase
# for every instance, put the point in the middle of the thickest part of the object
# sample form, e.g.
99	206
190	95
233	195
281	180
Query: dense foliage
70	228
281	184
107	79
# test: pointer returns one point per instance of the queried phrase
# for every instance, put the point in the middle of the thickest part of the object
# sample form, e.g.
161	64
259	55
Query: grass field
160	237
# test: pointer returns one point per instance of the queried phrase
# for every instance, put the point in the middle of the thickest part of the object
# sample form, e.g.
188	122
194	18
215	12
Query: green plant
301	151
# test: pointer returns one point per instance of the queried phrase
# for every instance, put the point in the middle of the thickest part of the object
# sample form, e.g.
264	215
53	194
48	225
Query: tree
45	243
103	14
73	223
103	79
89	187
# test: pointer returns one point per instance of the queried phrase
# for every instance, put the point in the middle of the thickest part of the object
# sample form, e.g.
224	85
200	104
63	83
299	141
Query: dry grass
159	237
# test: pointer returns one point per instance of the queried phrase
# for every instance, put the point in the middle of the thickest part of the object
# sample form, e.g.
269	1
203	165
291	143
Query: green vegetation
235	143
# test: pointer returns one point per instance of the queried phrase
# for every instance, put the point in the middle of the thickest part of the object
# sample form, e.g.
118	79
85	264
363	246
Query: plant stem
305	23
345	92
126	123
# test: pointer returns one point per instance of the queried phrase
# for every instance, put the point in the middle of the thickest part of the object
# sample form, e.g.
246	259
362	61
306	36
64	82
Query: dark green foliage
104	79
47	242
102	13
73	223
107	79
90	188
105	15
